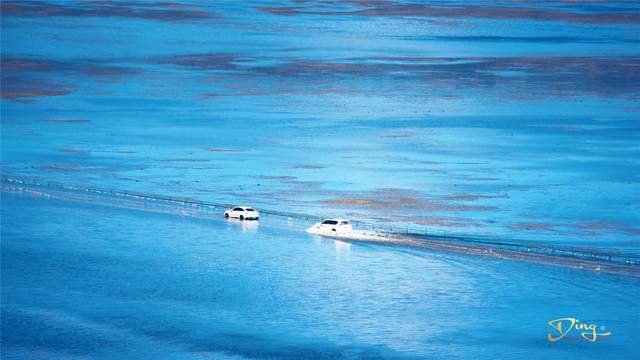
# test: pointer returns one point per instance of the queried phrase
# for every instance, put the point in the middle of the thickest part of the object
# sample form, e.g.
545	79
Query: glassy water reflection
118	283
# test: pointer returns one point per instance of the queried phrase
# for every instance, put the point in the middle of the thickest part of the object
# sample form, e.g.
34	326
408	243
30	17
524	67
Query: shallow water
84	280
516	120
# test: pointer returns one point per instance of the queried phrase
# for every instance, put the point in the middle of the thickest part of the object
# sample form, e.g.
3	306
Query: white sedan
331	227
242	213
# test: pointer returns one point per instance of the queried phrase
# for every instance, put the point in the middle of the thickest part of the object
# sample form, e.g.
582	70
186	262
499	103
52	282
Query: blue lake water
511	120
84	280
514	120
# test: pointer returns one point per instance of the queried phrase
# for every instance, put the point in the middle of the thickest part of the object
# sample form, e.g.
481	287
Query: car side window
237	209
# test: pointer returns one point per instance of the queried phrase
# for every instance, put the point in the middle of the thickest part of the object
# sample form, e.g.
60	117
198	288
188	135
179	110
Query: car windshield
329	222
249	209
237	209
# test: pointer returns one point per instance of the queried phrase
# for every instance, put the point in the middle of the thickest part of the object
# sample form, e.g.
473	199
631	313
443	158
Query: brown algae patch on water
442	221
348	201
158	11
397	199
595	225
533	226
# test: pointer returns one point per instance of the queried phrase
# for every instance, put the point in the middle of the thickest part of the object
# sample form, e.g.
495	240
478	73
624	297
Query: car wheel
241	217
226	216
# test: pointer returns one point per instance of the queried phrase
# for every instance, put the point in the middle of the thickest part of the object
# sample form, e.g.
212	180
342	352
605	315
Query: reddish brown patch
278	10
532	226
608	225
161	4
170	12
382	8
396	199
442	221
17	96
17	89
209	61
348	201
12	65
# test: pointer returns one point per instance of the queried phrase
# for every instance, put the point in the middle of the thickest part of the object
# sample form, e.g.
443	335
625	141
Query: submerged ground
83	280
514	119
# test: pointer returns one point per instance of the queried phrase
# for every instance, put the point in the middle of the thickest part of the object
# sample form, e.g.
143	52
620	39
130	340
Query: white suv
242	213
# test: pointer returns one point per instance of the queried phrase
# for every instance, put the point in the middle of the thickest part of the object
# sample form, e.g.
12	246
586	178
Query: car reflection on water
246	226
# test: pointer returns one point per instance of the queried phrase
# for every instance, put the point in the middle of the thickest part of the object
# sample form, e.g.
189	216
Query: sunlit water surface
84	280
516	120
